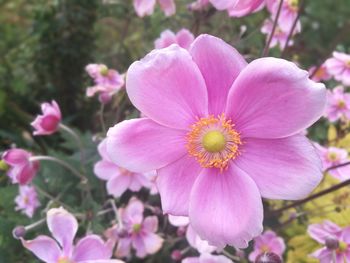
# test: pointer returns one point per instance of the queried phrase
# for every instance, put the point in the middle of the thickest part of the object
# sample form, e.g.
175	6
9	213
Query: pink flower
118	179
198	4
207	258
221	133
339	67
332	156
245	7
278	38
22	170
183	38
146	7
321	73
289	13
139	232
47	123
63	227
329	230
107	82
27	200
338	104
267	242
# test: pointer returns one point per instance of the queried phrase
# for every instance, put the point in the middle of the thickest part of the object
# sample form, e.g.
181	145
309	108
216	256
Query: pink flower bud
18	232
48	122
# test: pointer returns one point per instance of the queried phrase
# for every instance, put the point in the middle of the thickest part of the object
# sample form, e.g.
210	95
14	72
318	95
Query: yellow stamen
104	70
342	247
213	141
64	260
341	104
136	228
264	249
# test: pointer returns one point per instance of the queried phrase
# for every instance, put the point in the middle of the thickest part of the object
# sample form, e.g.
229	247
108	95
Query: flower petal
220	65
226	207
168	87
117	185
63	227
223	4
287	168
91	247
151	223
44	247
142	145
152	243
273	98
175	182
320	232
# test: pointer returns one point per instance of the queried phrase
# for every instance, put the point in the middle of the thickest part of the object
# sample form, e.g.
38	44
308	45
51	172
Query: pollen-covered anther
213	141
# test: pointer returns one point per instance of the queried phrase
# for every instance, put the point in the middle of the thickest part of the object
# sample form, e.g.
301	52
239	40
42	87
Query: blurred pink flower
332	156
63	227
27	200
267	242
339	67
221	133
118	179
183	38
321	73
22	170
138	232
47	123
107	82
289	13
329	230
278	38
198	4
146	7
245	7
207	258
338	104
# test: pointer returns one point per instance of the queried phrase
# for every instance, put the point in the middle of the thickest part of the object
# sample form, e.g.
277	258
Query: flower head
183	38
267	242
63	227
221	133
107	82
146	7
288	14
48	122
118	179
138	232
323	233
22	170
27	200
339	67
338	105
321	73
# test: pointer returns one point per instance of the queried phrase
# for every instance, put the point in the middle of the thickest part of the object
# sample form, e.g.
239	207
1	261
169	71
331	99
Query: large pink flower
27	200
222	134
63	226
146	7
329	230
267	242
47	123
118	179
183	38
22	170
339	67
138	232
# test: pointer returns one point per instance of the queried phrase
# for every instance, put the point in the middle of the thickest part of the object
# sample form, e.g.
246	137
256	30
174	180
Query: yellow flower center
104	70
213	141
64	260
341	104
136	228
342	247
264	249
348	63
294	5
3	165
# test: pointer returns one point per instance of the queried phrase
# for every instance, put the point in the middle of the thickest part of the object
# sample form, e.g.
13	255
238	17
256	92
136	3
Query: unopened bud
181	231
268	257
176	255
332	243
18	232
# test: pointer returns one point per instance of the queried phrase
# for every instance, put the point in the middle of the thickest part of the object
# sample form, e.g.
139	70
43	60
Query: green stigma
3	166
342	246
214	141
104	70
136	228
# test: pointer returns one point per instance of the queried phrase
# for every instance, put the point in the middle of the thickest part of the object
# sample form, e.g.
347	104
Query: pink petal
142	145
184	38
320	232
178	220
44	247
63	227
123	247
245	7
103	261
168	87
168	7
16	156
195	241
166	38
144	7
223	4
151	224
91	247
220	65
233	202
152	243
287	168
105	170
273	98
117	185
175	183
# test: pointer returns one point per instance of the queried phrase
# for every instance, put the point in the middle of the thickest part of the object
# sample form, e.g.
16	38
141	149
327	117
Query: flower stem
227	254
35	224
102	121
275	22
115	210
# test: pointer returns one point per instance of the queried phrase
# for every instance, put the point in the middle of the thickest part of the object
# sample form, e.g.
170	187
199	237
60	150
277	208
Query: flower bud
268	257
176	255
331	243
181	231
18	232
3	166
